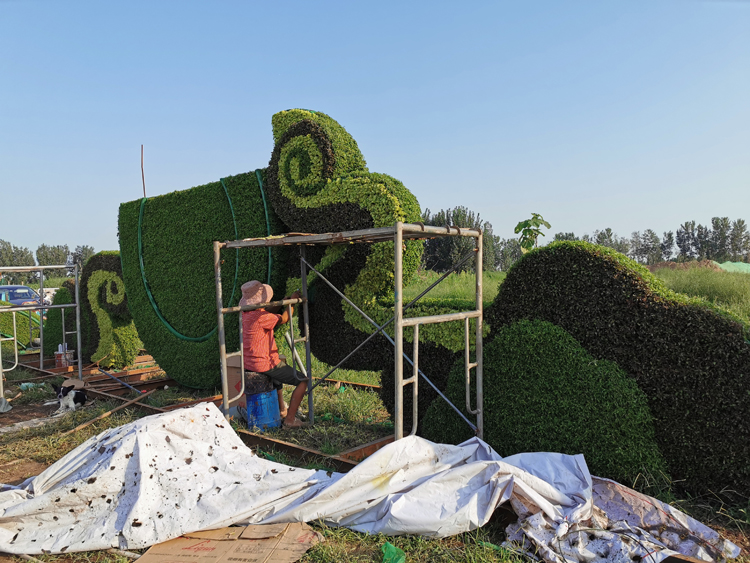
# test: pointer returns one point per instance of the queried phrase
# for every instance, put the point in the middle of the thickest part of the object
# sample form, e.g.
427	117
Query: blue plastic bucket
263	410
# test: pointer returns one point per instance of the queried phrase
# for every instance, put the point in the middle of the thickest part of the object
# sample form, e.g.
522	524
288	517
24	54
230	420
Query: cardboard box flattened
280	543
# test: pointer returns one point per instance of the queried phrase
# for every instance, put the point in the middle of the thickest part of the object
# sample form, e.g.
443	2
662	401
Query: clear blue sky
629	114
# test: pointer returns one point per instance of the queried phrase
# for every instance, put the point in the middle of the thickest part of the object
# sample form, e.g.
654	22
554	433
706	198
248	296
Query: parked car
19	295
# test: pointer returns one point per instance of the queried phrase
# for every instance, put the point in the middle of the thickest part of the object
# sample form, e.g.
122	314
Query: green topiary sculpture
317	181
544	392
107	330
690	359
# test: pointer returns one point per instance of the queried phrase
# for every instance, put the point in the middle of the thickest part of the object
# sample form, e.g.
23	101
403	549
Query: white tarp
170	474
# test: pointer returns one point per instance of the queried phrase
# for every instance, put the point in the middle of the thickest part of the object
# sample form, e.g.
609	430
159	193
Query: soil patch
22	413
16	472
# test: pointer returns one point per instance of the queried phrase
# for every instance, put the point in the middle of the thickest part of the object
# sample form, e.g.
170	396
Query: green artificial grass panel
178	230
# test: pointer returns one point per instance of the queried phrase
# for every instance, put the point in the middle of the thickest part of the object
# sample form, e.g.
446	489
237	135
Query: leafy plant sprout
530	231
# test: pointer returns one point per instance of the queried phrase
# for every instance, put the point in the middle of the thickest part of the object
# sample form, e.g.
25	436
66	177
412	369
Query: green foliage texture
692	360
178	230
317	181
108	333
544	392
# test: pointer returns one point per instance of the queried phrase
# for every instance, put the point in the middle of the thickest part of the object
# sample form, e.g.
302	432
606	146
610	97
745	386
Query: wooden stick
128	554
106	414
16	397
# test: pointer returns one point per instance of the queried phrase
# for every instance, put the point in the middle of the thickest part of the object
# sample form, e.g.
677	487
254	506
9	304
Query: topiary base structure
544	392
691	360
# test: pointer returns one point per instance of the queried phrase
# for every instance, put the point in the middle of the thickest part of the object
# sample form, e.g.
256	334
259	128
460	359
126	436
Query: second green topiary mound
544	392
691	360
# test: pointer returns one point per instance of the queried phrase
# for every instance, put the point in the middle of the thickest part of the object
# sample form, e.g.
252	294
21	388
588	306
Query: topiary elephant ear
108	332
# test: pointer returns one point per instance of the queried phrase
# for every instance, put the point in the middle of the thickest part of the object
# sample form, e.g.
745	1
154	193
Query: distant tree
443	253
637	252
52	256
508	252
651	247
79	256
489	248
11	255
739	240
686	241
702	243
604	237
720	250
607	237
667	245
565	236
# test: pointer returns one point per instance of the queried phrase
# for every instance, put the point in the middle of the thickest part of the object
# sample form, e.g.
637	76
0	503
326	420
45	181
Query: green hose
151	299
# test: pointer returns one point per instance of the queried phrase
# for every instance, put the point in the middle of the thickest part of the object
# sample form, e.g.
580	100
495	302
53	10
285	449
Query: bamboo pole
106	414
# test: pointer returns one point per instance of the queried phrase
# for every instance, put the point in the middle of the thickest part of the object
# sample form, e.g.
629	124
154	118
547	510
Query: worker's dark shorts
283	373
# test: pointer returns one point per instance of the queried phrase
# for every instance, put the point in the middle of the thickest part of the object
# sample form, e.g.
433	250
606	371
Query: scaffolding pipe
306	324
220	329
398	241
378	331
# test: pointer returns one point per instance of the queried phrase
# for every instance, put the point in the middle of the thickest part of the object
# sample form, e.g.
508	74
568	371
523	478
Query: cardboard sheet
285	543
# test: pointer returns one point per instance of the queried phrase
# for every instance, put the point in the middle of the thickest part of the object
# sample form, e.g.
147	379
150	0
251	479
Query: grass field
727	289
455	286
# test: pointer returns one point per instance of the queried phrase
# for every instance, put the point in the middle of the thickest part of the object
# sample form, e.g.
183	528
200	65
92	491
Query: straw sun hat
255	293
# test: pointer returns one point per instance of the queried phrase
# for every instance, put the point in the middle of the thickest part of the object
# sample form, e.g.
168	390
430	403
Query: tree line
46	255
723	240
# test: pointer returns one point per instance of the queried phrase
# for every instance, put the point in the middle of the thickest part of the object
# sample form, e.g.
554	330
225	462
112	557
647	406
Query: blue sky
624	114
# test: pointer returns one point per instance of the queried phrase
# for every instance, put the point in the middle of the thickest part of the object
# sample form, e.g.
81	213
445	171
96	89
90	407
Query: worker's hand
295	295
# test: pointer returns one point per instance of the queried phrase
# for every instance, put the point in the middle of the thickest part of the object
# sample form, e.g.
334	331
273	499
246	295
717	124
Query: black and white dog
70	398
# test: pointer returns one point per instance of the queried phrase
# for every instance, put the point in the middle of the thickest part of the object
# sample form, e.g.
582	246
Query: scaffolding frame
41	308
396	234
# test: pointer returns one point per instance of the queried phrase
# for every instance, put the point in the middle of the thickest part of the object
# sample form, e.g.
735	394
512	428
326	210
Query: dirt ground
16	472
22	413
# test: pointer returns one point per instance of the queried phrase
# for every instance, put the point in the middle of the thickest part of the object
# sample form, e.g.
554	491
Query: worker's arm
285	313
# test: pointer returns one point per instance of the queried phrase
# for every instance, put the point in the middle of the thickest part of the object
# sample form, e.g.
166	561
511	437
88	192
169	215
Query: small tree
530	230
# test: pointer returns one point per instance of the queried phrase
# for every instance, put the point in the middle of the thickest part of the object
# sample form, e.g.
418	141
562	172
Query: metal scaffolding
41	308
396	234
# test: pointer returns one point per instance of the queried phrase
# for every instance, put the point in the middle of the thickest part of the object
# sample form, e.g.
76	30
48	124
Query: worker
259	347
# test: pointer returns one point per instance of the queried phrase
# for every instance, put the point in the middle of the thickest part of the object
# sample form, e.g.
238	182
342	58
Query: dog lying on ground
69	397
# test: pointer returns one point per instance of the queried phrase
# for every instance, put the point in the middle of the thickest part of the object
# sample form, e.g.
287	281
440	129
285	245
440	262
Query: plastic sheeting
170	474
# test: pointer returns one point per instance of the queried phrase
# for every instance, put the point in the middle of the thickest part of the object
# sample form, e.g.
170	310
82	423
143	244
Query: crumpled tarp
170	474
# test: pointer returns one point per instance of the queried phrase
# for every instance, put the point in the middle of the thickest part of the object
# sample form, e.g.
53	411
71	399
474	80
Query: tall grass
456	286
727	289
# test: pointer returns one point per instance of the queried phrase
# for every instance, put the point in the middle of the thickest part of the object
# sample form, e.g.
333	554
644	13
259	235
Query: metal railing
41	308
